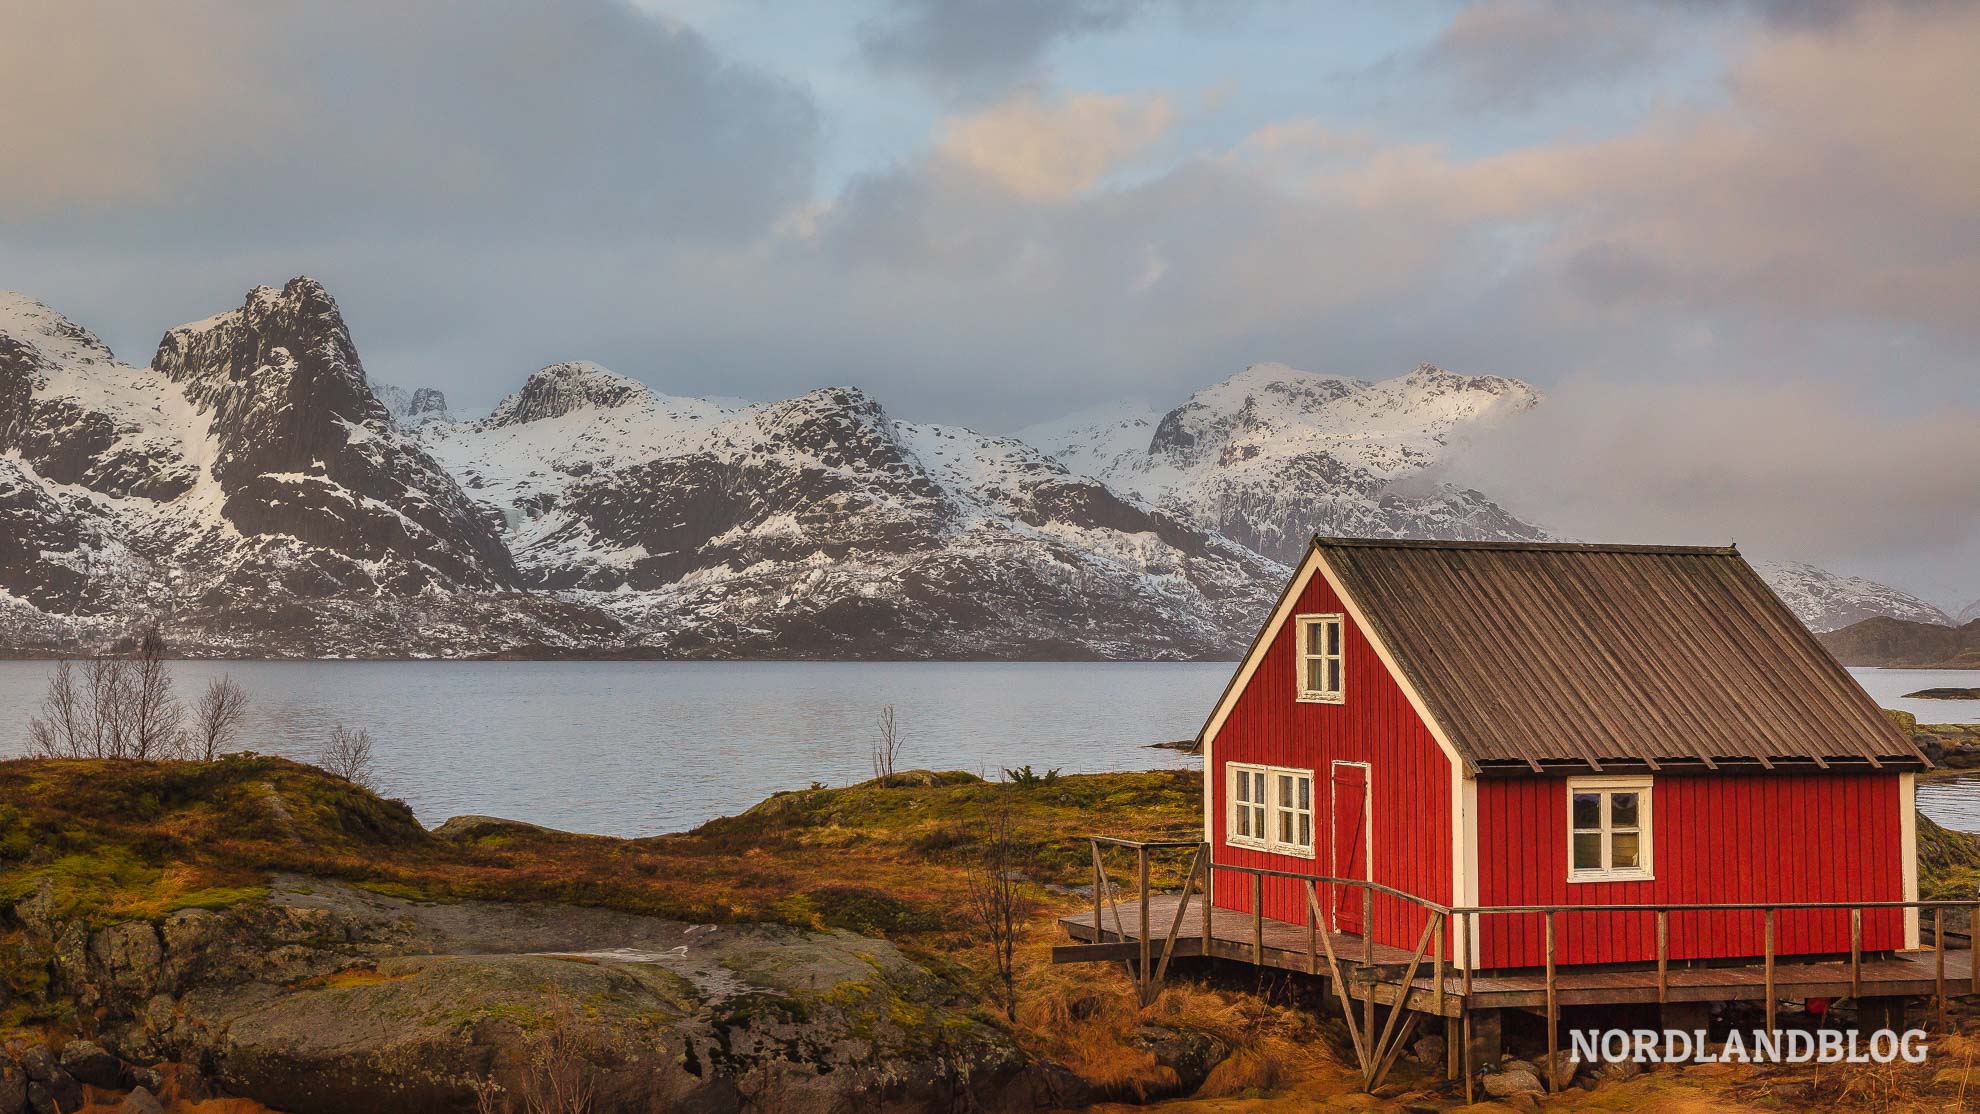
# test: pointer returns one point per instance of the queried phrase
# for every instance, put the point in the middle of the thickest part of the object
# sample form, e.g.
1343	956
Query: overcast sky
1737	245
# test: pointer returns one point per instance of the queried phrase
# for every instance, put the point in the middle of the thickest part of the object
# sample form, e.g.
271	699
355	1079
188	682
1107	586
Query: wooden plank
1312	931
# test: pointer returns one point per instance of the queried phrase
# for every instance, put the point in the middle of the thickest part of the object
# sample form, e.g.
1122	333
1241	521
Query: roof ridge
1328	542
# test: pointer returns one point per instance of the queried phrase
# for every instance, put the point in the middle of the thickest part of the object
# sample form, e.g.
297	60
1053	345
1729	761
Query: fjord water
639	748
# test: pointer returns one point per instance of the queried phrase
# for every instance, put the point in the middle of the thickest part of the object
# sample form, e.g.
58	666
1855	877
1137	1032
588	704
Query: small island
1944	694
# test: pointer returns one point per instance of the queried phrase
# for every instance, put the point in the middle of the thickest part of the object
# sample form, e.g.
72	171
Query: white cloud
1051	150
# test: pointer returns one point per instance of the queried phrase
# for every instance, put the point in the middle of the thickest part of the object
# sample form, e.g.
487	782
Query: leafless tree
887	748
347	754
997	903
114	707
217	718
62	730
153	719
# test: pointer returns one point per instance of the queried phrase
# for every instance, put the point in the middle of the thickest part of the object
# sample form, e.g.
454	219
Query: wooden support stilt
1312	930
1340	988
1368	956
1438	944
1384	1053
1464	1003
1553	1015
1257	920
1175	927
1402	1040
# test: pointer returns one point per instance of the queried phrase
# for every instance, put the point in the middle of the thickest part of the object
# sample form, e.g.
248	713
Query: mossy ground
107	841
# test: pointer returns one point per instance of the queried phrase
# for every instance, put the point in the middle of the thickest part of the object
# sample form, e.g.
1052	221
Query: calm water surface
636	748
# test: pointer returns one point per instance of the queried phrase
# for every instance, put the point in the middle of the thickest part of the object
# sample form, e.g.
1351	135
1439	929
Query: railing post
1464	1003
1939	962
1439	945
1209	905
1663	955
1553	1014
1141	870
1770	968
1367	926
1856	953
1098	882
1972	937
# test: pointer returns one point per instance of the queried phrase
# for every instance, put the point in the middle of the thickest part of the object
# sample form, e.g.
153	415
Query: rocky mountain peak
560	389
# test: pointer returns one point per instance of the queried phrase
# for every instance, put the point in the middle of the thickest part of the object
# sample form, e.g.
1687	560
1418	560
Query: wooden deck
1286	947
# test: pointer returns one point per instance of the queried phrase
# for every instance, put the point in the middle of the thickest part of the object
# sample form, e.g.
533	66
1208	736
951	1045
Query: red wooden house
1507	724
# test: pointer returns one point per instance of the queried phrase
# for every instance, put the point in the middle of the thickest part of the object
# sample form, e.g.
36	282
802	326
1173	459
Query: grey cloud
974	47
1510	54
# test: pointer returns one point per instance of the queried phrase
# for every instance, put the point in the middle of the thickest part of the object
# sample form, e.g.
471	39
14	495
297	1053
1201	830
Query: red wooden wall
1717	838
1410	776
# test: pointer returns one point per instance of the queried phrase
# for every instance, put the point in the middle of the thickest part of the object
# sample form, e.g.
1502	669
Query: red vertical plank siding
1409	775
1717	838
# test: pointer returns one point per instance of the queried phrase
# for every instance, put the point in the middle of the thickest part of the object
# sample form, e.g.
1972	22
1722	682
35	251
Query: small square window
1608	829
1322	659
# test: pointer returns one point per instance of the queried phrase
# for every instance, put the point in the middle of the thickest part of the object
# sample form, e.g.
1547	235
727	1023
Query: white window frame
1272	810
1302	657
1641	785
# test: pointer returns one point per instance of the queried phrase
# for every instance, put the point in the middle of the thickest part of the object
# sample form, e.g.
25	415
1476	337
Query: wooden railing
1377	1055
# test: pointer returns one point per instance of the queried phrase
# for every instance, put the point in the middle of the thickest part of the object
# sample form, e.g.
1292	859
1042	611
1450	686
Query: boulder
1514	1081
13	1089
140	1101
57	1095
1191	1053
1430	1051
89	1064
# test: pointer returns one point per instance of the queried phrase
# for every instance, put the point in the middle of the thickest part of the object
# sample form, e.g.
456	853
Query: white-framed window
1321	659
1271	809
1608	828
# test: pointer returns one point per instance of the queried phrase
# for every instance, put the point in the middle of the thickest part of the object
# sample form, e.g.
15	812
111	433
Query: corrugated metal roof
1533	655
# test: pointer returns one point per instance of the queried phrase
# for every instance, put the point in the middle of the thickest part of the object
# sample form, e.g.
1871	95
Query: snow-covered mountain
821	526
1273	455
255	492
1828	601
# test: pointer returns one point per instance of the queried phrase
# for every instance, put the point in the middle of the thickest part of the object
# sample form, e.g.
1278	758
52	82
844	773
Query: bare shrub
217	718
347	754
887	748
996	901
555	1076
63	729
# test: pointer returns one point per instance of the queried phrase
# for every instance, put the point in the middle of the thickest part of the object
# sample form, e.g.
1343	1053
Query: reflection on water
1952	801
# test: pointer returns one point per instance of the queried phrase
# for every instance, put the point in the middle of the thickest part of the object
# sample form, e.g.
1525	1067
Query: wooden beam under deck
1281	945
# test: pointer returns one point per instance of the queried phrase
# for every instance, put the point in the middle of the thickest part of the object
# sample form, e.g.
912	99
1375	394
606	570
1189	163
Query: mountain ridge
256	490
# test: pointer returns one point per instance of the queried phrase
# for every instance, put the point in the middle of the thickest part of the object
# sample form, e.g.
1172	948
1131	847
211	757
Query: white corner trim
1249	666
1908	851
